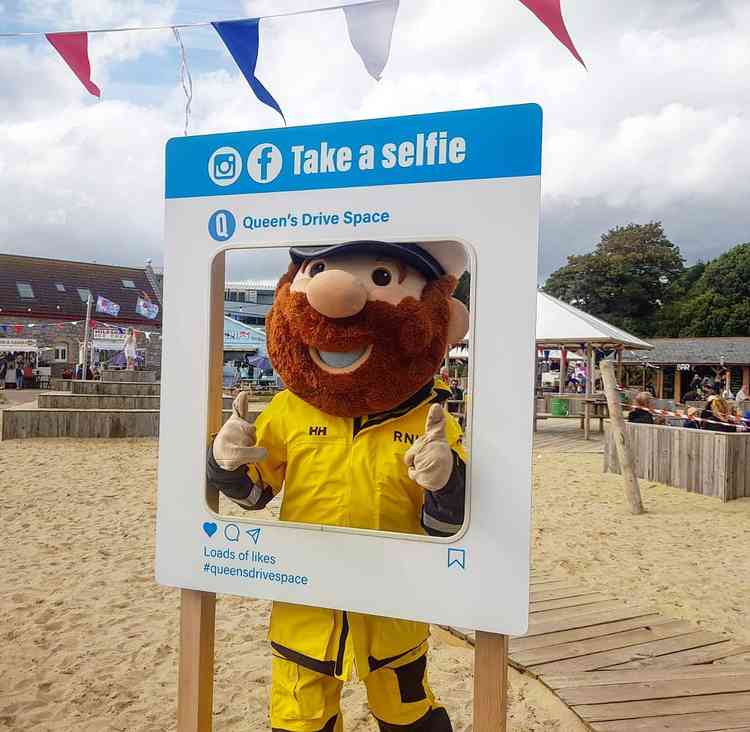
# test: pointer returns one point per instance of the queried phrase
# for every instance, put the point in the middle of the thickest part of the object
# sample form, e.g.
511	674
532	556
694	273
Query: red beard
408	346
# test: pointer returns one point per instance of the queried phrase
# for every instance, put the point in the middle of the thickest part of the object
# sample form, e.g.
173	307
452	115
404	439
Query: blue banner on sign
474	144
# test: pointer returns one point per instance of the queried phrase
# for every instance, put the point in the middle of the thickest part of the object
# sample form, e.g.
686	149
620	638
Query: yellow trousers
398	694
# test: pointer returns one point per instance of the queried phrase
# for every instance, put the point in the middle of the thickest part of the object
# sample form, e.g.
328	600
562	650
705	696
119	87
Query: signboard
470	177
11	345
241	337
108	339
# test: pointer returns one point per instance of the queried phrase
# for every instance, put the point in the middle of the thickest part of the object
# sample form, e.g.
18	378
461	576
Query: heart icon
210	528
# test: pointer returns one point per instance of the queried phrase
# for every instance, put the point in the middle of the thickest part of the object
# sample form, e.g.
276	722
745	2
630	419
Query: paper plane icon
254	534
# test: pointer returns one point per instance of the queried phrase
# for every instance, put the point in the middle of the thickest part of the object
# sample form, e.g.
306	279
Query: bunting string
198	24
18	328
185	79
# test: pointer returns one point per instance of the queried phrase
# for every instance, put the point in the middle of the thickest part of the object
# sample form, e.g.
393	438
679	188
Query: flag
146	308
370	31
241	37
550	13
18	328
106	306
74	49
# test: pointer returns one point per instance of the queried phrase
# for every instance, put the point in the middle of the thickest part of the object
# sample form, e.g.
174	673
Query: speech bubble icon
232	532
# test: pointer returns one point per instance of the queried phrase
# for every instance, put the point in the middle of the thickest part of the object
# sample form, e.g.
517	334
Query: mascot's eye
381	277
317	268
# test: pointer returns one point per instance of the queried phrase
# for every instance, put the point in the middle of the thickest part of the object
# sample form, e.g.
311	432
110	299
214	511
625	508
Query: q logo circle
221	225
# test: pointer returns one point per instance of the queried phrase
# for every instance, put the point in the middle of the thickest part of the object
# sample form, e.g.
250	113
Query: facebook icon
264	162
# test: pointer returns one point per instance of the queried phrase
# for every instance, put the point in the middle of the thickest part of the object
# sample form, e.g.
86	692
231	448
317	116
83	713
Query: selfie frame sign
472	177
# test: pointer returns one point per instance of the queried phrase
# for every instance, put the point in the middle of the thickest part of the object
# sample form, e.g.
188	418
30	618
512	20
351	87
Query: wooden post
563	368
490	682
617	425
619	365
195	693
677	384
589	391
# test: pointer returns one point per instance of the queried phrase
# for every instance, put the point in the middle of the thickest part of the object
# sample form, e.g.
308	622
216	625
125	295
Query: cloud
657	129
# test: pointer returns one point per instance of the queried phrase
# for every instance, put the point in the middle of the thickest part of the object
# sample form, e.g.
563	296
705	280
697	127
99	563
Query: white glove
430	458
235	443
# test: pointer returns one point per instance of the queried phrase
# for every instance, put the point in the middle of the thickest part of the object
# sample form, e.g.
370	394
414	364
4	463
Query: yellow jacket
349	472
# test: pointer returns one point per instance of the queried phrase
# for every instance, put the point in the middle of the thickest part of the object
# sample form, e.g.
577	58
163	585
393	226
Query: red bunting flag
18	328
550	13
74	48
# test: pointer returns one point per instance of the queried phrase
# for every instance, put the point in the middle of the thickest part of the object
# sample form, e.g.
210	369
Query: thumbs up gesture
430	459
235	443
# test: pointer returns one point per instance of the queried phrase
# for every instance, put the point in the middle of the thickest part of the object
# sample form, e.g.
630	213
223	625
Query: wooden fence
698	461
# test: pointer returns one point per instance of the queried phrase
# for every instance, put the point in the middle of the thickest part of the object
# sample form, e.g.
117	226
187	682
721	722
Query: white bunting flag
370	30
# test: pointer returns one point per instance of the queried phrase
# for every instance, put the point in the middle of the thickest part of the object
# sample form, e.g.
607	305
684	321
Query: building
43	310
670	366
249	301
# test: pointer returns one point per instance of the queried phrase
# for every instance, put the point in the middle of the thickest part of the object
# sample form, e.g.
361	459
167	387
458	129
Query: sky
656	129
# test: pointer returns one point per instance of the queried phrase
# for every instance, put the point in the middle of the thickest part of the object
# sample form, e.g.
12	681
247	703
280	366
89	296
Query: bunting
550	13
369	23
74	49
242	38
10	328
370	32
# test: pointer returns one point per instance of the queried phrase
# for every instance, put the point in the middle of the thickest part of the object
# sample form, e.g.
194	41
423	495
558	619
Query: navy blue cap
408	252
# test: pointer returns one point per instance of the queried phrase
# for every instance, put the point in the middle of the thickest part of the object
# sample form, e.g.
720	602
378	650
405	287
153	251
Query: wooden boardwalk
623	668
565	435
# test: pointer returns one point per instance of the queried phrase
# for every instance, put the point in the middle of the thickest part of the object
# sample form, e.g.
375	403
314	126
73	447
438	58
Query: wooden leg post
196	681
195	693
490	682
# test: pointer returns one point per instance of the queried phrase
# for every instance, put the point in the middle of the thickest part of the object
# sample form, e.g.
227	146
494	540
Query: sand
688	556
89	640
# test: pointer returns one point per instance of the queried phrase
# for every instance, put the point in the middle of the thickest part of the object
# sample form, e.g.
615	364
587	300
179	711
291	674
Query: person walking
3	371
19	375
129	349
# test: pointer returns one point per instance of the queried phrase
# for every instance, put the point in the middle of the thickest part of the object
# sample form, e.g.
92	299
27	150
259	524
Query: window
240	297
25	291
129	284
232	296
59	287
265	298
61	352
84	293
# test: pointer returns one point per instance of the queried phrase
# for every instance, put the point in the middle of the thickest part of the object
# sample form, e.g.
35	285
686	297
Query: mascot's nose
336	294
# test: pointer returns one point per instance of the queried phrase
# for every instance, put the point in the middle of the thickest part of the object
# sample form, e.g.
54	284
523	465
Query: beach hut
565	327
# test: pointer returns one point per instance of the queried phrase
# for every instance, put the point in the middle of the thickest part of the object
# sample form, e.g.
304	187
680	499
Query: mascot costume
358	438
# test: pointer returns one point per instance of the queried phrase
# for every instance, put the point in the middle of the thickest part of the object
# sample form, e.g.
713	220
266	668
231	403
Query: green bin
559	407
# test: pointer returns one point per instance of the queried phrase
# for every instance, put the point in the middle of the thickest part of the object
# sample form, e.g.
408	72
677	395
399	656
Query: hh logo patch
315	430
406	437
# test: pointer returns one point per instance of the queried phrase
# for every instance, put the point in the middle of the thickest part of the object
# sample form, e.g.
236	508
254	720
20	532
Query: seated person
719	416
641	412
693	395
691	420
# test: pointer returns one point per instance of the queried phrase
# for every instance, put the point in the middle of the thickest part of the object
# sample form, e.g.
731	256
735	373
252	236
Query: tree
626	280
463	289
716	302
